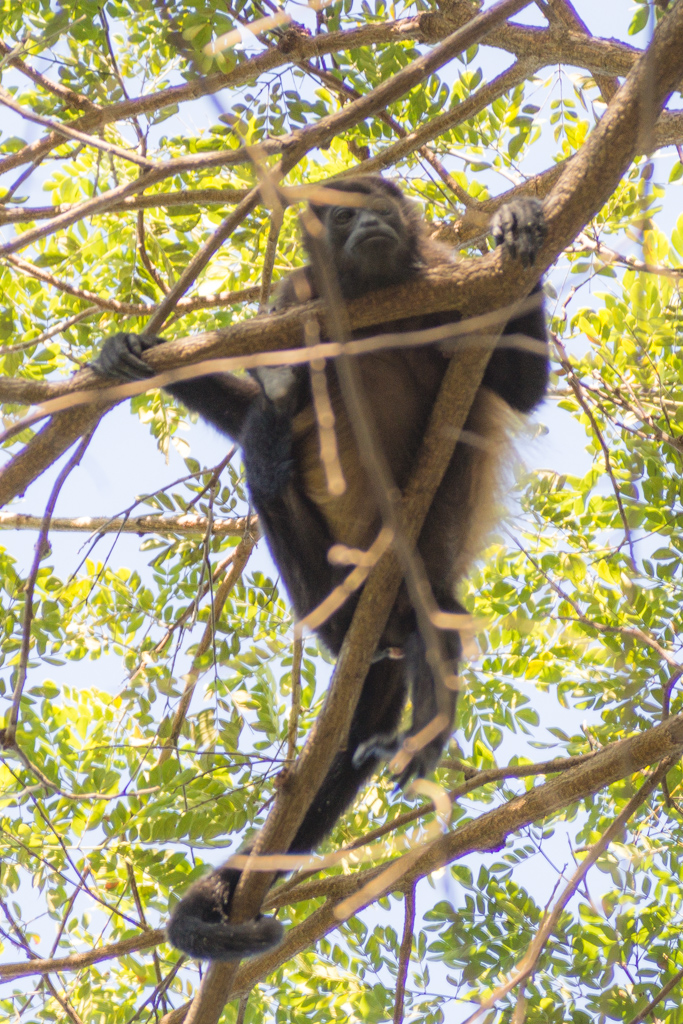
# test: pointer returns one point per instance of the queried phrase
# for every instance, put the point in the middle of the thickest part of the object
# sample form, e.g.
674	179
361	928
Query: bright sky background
123	461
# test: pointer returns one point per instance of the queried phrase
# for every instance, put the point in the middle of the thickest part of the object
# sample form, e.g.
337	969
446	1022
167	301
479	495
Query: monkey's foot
412	764
421	764
381	747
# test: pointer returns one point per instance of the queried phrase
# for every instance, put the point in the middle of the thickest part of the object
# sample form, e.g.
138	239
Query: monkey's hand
121	356
521	228
200	925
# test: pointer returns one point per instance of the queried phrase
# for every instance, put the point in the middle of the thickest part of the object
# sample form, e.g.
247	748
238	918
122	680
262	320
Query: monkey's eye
343	214
383	209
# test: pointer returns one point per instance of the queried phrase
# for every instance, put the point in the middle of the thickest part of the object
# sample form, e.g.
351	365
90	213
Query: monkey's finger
120	358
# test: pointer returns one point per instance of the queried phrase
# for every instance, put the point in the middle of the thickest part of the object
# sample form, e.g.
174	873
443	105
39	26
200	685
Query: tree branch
486	833
181	524
8	737
404	954
529	961
77	961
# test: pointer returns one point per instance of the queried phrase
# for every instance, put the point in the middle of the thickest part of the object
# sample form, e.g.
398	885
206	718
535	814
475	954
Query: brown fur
467	504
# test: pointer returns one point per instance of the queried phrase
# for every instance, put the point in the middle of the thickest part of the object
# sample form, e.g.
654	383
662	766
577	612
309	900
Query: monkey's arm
297	534
220	398
518	375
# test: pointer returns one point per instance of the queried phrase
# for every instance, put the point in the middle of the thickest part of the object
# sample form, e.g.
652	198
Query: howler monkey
380	243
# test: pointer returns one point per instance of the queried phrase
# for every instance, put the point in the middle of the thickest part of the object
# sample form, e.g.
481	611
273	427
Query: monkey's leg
378	712
199	925
430	698
520	375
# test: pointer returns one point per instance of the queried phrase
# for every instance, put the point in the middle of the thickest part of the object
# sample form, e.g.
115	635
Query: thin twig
242	1009
192	197
600	627
239	561
200	260
292	728
57	328
65	95
269	257
63	1002
160	989
530	960
404	953
575	385
662	994
144	255
9	733
181	524
118	305
71	133
114	305
130	871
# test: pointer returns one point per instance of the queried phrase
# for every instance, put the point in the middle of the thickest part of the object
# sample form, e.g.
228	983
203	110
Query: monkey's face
373	245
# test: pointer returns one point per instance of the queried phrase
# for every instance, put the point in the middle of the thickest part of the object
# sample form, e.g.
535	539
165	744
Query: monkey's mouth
375	238
375	243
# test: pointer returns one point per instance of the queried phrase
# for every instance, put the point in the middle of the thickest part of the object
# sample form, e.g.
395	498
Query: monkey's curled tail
202	931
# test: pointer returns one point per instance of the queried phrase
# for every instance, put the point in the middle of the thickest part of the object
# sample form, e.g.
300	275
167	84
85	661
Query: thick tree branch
470	287
486	833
